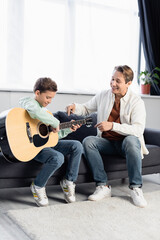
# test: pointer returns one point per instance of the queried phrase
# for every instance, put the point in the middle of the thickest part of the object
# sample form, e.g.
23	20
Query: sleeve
86	108
63	133
37	112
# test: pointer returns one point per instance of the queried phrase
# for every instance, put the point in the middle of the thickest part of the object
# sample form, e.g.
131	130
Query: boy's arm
73	128
63	133
37	112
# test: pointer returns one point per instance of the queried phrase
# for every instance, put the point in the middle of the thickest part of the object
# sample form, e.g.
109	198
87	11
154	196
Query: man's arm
83	109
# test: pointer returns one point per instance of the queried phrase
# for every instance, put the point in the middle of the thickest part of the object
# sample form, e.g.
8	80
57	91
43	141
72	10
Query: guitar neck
70	124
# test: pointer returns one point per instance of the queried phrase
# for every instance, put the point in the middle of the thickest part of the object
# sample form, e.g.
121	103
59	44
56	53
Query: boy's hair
45	84
126	71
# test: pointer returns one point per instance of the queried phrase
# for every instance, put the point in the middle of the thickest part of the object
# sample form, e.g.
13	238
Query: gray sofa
21	174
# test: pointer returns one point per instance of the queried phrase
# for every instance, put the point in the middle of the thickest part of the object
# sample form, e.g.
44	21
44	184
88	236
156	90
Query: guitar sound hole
43	130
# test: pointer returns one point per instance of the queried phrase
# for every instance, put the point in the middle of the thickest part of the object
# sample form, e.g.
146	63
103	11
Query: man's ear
129	83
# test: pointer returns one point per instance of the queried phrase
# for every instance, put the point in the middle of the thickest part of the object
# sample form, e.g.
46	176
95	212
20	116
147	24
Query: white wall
10	99
152	104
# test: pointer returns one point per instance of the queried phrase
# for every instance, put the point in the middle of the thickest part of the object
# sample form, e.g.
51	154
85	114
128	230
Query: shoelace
99	188
41	193
138	192
71	189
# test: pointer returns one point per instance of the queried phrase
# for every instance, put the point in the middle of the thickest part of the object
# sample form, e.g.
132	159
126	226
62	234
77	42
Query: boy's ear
37	92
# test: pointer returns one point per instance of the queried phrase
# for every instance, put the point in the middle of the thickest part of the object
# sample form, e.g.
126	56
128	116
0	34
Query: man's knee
88	141
131	143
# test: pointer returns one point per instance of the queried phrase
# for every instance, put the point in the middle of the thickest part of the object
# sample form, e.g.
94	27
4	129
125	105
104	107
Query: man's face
118	85
44	98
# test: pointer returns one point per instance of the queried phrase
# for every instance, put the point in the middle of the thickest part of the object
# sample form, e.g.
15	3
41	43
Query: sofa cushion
83	131
152	159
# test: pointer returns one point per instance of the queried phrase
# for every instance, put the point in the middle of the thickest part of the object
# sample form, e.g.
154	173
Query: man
121	120
52	158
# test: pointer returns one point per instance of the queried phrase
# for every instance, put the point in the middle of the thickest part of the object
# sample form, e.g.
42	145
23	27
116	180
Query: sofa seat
21	174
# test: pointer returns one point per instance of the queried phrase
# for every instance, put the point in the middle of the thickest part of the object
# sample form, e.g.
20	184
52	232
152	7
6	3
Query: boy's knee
61	160
77	146
57	160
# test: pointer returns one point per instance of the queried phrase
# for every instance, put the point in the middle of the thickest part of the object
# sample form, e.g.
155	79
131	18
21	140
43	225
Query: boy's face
44	98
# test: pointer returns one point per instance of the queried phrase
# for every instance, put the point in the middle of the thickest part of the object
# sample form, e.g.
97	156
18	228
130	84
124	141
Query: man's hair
126	71
45	84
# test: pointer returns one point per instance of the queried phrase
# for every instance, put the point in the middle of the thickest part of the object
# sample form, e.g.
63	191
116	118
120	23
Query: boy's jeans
53	158
129	148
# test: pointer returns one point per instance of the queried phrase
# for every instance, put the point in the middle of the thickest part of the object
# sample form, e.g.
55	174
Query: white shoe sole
98	199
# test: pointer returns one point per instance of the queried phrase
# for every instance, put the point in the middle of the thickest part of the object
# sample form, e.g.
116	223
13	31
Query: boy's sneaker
138	198
39	195
100	193
68	188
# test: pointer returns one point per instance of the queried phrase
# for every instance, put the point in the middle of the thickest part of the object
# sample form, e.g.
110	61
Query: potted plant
147	79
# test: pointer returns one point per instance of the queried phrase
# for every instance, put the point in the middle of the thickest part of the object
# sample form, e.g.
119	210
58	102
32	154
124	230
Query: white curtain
75	42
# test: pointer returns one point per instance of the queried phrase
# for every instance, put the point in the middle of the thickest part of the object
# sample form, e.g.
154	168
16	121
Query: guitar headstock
89	122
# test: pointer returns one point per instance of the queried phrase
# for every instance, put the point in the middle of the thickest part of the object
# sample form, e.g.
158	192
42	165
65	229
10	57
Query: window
76	43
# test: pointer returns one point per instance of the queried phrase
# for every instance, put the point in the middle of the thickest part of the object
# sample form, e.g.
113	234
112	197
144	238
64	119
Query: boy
52	158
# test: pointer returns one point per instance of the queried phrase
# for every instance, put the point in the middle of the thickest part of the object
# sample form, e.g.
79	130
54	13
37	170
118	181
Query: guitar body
22	138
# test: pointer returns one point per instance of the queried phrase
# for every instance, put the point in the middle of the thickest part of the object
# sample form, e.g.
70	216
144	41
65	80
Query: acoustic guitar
22	137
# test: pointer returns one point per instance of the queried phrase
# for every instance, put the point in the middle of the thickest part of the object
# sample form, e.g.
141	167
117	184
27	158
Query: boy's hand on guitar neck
75	126
70	109
55	130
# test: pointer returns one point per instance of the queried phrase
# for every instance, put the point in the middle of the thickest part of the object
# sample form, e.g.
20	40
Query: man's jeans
129	148
53	158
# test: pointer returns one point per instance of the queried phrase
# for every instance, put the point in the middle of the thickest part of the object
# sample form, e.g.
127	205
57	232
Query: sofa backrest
85	131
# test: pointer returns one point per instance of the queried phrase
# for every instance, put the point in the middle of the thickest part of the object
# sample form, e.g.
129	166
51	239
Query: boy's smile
44	98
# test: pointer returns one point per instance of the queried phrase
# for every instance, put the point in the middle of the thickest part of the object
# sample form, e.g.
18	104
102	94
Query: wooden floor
21	198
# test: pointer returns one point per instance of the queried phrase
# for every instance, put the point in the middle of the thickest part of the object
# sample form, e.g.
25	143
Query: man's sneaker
68	188
100	193
39	195
138	198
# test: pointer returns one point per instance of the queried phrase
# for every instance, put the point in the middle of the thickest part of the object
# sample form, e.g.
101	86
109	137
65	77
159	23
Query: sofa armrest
152	136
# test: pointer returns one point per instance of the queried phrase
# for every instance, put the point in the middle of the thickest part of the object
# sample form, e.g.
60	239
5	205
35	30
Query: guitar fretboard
70	124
